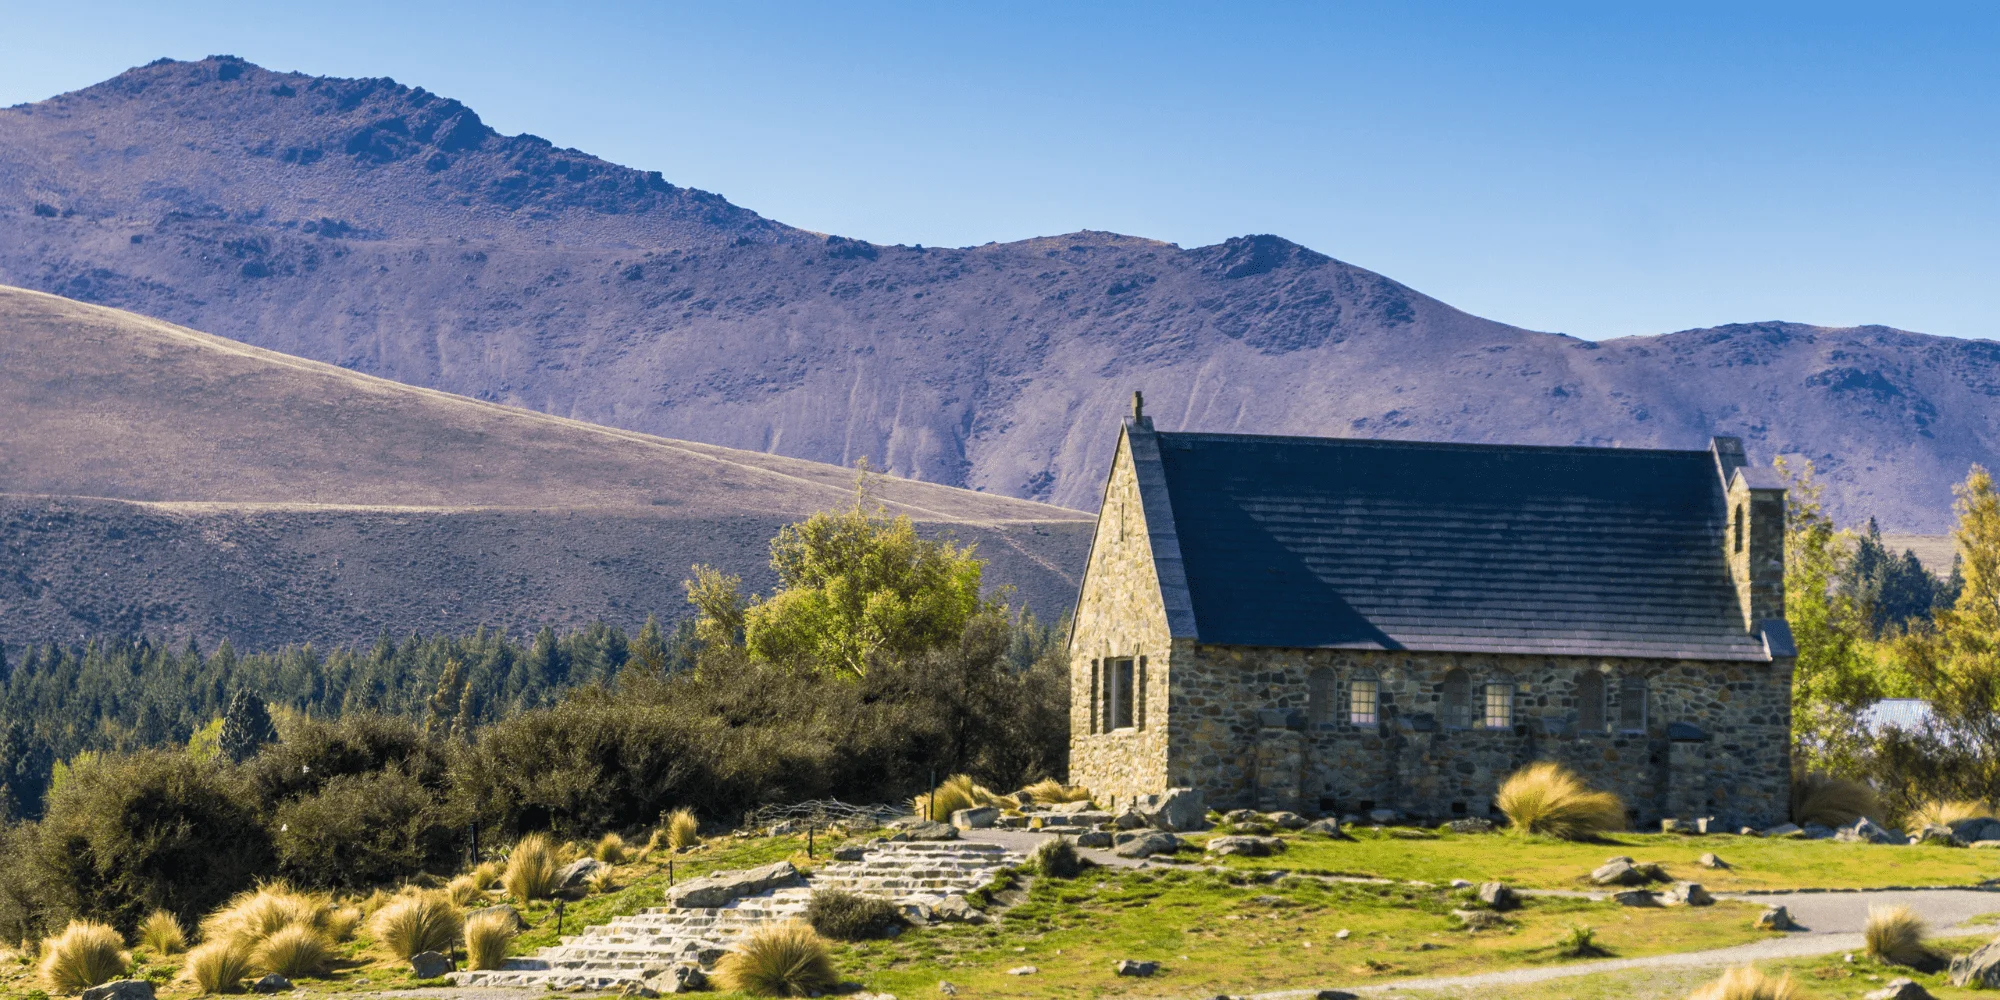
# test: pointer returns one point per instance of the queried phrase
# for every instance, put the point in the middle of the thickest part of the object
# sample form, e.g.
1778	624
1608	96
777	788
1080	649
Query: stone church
1333	625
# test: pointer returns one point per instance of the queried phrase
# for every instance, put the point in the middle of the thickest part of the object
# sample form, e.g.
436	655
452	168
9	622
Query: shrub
161	934
850	916
683	830
1746	983
341	923
610	849
1547	798
1945	812
256	914
1579	942
463	890
957	792
217	966
1056	858
778	960
1895	934
85	954
1829	801
487	937
531	868
416	923
365	829
292	951
1049	792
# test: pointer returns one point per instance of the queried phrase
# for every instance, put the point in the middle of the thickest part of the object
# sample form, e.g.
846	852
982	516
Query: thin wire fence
824	812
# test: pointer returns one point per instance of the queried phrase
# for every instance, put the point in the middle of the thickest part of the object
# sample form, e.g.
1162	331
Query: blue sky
1595	169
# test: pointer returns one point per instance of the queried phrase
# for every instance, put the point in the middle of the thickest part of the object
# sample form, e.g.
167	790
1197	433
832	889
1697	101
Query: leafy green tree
1835	676
246	727
444	704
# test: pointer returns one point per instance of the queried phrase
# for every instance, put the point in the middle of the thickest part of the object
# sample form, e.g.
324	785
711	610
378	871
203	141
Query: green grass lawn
1543	863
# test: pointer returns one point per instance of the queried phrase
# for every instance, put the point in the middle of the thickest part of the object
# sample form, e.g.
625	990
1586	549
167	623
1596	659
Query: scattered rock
1971	831
503	909
1708	824
1674	826
1094	838
947	989
1688	894
429	965
917	914
121	989
1459	883
930	831
1785	830
1617	872
1149	844
1068	808
1899	989
1023	970
1471	824
1127	967
1175	810
718	889
575	876
1815	831
1776	918
1384	817
782	828
1286	820
272	983
1711	861
1935	833
955	909
1749	831
1979	970
1498	896
1249	847
1239	815
976	818
1865	831
1335	995
1128	820
1479	920
1343	933
1985	845
1326	828
1635	897
852	852
640	990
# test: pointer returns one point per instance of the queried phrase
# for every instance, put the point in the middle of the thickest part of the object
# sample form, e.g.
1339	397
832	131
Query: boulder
782	828
1326	828
929	831
1985	845
1127	967
271	982
1249	847
1286	820
1335	995
576	874
1383	817
1899	989
1023	970
1749	831
1709	824
976	818
1711	861
1635	897
1979	970
1128	820
1784	830
955	909
1776	918
1471	824
1618	872
917	914
509	912
1148	844
1239	815
1688	894
1675	826
718	889
1064	808
1176	810
1498	896
1093	838
121	989
1935	833
1978	828
682	977
1864	831
1479	920
1815	831
851	852
429	965
640	990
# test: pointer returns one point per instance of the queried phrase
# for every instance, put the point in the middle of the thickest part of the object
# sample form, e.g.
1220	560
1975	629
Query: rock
1985	845
1865	831
955	909
852	852
782	828
429	965
1749	831
272	983
1978	828
947	989
1459	883
1176	810
640	990
718	889
1935	833
1343	933
1239	815
1651	871
1635	897
1127	967
1815	831
1335	995
1688	894
121	989
1249	847
1383	817
1711	861
976	818
1471	824
1286	820
1148	844
576	874
917	914
1979	970
1707	824
1479	920
1674	826
1498	896
504	909
1128	820
1326	828
1023	970
1784	830
1899	989
1616	872
1093	838
930	831
1776	918
1066	808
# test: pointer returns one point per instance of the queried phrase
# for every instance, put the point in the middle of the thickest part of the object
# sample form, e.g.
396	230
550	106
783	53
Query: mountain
164	481
388	230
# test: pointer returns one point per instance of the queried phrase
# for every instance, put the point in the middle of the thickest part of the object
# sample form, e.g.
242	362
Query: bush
1579	942
1547	798
683	830
365	829
217	966
256	914
487	937
850	916
610	849
1049	792
416	923
1056	858
292	951
531	868
778	960
1746	983
1895	935
85	954
1945	812
1829	801
161	934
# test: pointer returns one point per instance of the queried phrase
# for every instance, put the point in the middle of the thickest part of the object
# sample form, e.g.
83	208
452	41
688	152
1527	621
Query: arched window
1458	700
1319	696
1364	701
1632	703
1498	705
1590	702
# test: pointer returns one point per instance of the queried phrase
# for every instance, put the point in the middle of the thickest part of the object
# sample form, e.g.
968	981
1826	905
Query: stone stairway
643	946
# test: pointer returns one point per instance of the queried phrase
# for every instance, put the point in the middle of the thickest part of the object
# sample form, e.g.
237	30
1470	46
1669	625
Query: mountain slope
163	480
387	230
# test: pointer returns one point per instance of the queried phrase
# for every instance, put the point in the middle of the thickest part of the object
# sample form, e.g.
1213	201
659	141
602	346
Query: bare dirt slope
388	230
158	479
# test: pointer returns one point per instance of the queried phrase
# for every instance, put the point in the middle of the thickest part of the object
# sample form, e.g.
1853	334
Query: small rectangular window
1120	689
1499	706
1361	701
1632	703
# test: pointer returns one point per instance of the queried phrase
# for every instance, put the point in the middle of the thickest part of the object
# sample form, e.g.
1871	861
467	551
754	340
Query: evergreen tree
649	651
246	727
444	703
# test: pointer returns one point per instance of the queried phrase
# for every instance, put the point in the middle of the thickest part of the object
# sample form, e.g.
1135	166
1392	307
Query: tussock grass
340	924
1945	812
1895	934
609	849
463	890
253	915
604	880
85	954
683	829
1579	942
1746	983
957	792
850	916
778	960
1547	798
161	934
1056	858
217	966
416	923
1830	801
487	937
485	874
293	951
531	868
1049	792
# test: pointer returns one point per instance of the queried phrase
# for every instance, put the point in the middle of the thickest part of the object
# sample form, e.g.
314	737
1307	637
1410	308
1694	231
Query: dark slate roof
1331	542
